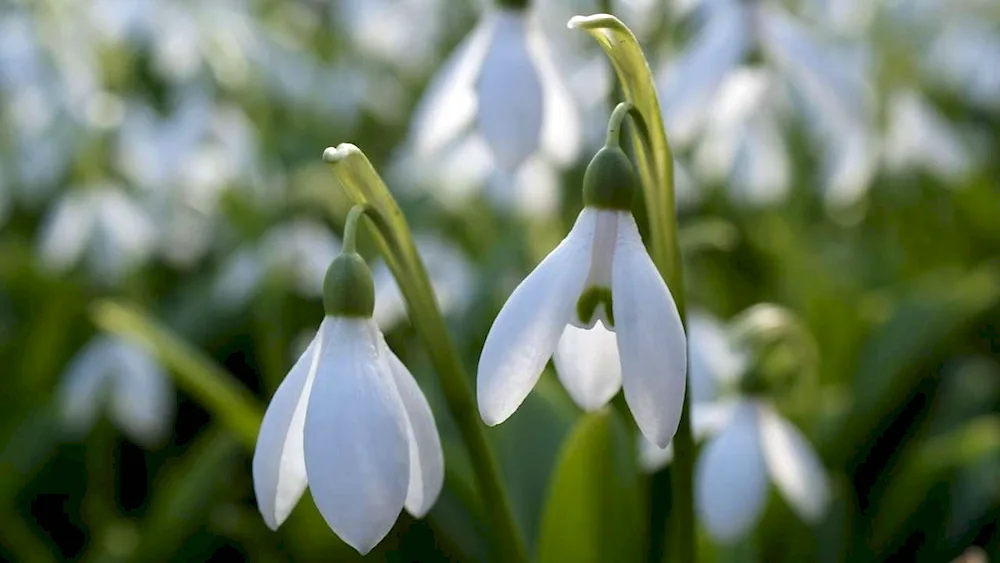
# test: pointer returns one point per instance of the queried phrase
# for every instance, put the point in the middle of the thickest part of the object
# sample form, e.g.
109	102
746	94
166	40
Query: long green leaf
592	512
211	385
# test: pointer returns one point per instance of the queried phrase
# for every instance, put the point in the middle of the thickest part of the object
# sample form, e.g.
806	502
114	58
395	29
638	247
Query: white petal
83	385
561	128
426	457
731	479
688	86
279	470
510	93
142	399
449	104
794	466
707	419
650	335
66	231
588	366
524	334
355	440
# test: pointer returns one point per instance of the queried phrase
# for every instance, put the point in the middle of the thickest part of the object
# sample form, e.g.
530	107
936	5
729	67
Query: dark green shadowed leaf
592	512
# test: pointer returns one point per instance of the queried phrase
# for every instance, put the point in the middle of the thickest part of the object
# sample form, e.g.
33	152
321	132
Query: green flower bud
610	181
348	288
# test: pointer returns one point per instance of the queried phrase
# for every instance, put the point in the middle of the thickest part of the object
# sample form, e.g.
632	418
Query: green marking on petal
588	302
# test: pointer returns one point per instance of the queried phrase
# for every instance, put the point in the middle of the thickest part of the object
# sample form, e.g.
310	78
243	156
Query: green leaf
919	329
211	385
965	446
593	512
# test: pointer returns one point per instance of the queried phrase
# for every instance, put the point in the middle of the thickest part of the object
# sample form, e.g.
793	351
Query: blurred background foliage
165	218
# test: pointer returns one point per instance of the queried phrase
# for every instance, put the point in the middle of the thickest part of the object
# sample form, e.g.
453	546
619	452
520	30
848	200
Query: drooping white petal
527	329
449	105
560	119
510	92
920	137
83	385
279	470
426	457
731	478
707	419
793	465
142	398
355	438
66	231
588	366
689	85
650	335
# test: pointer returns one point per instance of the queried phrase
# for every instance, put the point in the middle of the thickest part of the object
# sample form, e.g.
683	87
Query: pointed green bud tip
348	289
610	181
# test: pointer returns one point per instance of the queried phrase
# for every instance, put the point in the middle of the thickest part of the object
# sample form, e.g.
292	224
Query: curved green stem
351	226
396	244
615	124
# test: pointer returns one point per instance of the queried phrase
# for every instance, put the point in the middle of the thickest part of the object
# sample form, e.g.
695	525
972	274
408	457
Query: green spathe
348	288
610	181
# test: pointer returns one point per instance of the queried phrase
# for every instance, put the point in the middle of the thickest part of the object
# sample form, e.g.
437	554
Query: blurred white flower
756	445
113	374
919	137
501	86
966	56
351	423
599	274
750	443
299	251
830	84
99	224
451	277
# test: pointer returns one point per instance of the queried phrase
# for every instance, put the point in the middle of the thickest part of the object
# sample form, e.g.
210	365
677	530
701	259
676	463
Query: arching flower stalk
601	275
349	421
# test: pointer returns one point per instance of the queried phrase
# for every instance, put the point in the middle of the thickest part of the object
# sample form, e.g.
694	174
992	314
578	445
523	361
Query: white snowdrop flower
114	374
451	278
99	223
833	93
920	137
596	298
502	84
750	443
732	473
350	422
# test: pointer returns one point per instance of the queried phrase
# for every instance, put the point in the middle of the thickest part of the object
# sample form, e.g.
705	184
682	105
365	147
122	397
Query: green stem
351	226
615	124
412	278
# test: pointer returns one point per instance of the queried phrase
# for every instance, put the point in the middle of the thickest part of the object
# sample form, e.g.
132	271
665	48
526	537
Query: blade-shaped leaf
592	512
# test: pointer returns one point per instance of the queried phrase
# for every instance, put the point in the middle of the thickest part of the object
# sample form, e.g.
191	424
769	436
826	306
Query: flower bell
349	421
599	293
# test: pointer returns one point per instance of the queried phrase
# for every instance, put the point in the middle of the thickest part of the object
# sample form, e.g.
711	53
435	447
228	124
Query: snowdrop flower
114	373
750	443
827	81
102	224
350	422
756	445
450	274
502	90
599	300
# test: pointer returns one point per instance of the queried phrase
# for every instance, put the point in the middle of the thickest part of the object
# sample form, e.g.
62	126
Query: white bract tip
336	154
